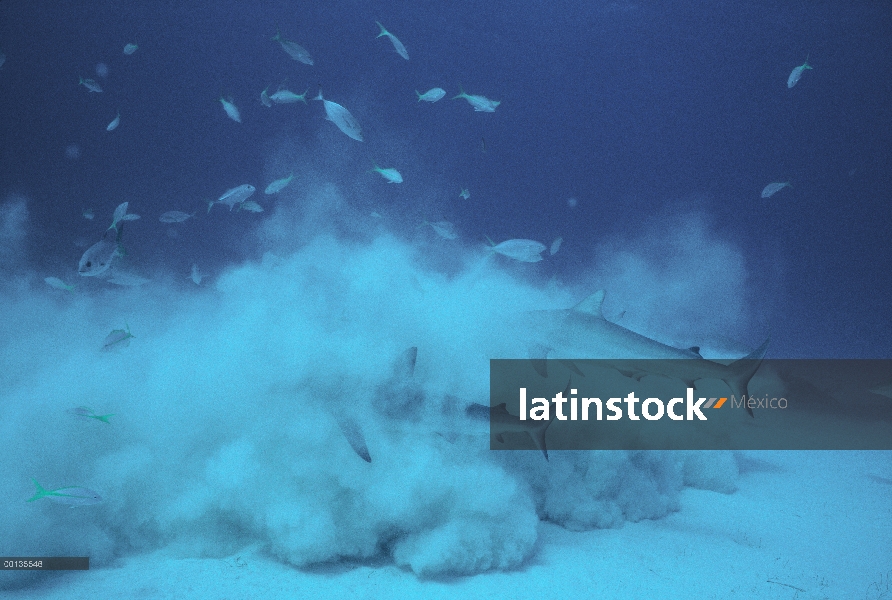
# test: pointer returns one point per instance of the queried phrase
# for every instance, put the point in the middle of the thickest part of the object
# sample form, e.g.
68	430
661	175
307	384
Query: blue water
642	133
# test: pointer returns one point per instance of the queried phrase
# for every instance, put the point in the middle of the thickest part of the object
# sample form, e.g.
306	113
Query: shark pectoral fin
696	350
500	439
353	433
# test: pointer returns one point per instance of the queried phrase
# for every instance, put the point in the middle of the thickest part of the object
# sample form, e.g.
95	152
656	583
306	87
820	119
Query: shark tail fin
742	370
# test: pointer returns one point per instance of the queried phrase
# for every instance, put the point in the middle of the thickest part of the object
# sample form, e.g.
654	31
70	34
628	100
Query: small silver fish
772	188
118	338
231	109
278	185
522	250
250	206
287	97
196	275
295	51
72	496
465	193
796	74
114	124
555	245
432	95
235	195
98	257
88	413
130	49
90	84
175	216
88	213
391	175
480	103
444	229
341	117
397	45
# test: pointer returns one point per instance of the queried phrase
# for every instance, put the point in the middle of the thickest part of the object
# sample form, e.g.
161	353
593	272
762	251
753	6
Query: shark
585	329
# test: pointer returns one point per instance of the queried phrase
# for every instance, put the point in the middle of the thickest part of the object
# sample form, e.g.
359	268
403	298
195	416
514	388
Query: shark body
584	329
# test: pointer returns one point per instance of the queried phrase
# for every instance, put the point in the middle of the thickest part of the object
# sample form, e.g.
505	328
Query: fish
114	124
175	216
397	45
264	98
287	97
391	175
88	413
772	188
72	496
231	109
118	338
519	249
196	275
234	196
502	422
464	193
341	117
555	246
444	229
432	95
130	49
88	213
583	331
295	51
278	185
250	206
58	284
796	73
480	103
90	84
98	257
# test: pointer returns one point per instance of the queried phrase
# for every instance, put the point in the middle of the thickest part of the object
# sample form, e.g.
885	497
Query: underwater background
639	134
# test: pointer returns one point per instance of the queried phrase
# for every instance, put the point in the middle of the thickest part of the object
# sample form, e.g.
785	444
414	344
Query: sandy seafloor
804	525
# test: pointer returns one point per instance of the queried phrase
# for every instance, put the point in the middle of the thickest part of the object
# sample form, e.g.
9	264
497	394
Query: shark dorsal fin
592	305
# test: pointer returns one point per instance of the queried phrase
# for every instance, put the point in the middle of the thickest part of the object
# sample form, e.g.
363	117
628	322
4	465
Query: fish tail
276	37
303	97
419	95
39	493
103	418
491	243
383	31
742	370
319	95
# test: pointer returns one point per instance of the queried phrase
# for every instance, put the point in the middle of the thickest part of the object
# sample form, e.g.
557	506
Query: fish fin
319	95
538	436
461	93
39	492
696	350
419	95
500	438
742	370
383	31
592	305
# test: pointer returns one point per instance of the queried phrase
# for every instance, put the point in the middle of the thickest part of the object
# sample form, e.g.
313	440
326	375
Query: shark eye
89	264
